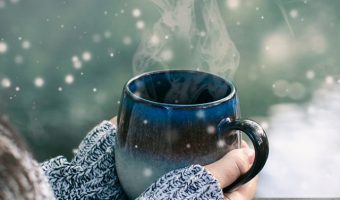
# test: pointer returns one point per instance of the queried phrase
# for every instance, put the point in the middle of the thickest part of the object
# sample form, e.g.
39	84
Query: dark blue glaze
176	118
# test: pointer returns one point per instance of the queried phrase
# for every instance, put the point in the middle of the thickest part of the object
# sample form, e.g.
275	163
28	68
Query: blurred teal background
63	64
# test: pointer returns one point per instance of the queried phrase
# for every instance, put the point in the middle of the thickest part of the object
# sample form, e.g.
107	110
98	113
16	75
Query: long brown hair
20	175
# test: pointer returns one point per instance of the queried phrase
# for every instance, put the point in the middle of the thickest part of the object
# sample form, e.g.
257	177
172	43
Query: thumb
231	166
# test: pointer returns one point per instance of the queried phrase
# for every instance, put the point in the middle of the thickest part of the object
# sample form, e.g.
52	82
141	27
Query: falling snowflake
96	38
3	47
233	4
310	74
127	40
203	33
86	56
75	151
77	63
26	44
294	13
136	13
329	80
277	47
19	59
140	24
166	55
154	40
5	83
75	58
69	79
107	34
200	114
39	82
147	172
221	143
211	129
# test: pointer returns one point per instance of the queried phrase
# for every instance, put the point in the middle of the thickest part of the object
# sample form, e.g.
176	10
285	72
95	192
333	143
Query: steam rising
189	35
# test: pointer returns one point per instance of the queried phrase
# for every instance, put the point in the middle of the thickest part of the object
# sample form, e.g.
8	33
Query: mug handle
260	142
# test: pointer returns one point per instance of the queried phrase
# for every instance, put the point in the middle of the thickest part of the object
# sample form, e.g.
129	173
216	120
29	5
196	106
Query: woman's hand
230	167
91	174
114	120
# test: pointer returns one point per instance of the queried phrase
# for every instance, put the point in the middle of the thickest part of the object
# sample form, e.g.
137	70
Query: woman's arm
91	174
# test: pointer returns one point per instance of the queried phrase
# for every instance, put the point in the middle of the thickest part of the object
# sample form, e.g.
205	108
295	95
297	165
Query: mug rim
183	106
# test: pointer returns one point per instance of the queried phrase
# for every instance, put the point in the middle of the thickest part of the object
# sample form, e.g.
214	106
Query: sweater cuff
100	132
53	163
193	182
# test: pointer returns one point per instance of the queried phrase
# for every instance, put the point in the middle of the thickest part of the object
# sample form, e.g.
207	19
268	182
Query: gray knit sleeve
91	174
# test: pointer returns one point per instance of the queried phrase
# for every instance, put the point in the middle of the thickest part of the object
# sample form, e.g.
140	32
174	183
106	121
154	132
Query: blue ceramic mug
175	118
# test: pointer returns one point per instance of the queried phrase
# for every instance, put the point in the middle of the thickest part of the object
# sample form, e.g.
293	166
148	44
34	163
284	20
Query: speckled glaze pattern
175	118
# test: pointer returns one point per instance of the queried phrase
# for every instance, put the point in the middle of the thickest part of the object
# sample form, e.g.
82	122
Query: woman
91	174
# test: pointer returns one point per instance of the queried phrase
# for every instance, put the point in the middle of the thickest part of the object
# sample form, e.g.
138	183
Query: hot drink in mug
175	118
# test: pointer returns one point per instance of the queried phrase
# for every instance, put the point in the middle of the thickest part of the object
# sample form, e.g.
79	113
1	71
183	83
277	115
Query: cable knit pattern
192	182
91	174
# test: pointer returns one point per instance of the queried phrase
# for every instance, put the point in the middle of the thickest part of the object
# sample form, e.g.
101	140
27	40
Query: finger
231	166
244	144
114	120
245	192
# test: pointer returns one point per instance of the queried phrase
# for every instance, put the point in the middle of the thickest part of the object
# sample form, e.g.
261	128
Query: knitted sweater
91	174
